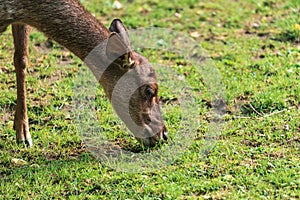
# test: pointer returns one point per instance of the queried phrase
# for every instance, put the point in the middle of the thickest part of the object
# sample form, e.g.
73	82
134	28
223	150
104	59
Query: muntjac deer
71	25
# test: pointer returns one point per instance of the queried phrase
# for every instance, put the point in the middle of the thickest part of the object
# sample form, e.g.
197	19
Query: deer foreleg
21	39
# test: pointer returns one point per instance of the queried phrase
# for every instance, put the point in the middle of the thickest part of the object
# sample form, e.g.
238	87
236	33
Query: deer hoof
26	143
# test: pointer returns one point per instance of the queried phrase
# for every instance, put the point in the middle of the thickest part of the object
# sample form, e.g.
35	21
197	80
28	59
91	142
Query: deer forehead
146	72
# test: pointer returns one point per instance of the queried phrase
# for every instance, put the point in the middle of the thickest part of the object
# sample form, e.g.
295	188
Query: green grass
255	46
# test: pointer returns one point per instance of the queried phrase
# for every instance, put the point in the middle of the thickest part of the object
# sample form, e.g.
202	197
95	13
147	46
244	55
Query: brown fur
71	25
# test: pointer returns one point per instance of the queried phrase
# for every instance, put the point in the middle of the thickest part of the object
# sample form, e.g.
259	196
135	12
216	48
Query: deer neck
65	21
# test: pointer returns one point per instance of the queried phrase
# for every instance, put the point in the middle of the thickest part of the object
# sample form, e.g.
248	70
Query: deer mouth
160	137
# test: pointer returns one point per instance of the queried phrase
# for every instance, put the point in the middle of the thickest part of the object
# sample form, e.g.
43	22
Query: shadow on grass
288	36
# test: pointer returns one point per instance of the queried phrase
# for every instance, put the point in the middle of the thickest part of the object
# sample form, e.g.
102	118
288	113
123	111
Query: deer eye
149	92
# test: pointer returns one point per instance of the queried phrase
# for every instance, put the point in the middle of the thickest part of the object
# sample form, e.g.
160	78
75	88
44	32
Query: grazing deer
71	25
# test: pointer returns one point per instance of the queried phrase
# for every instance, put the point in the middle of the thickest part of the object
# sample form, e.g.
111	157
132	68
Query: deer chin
150	139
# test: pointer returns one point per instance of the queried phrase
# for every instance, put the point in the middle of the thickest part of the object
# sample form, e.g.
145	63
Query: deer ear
118	52
118	27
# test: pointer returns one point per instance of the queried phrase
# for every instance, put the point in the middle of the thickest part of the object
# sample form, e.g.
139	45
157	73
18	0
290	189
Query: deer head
129	81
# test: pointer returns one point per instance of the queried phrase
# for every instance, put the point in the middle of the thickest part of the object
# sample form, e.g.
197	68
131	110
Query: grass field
255	45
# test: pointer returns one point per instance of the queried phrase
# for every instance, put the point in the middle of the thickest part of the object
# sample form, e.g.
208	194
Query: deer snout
164	134
161	136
